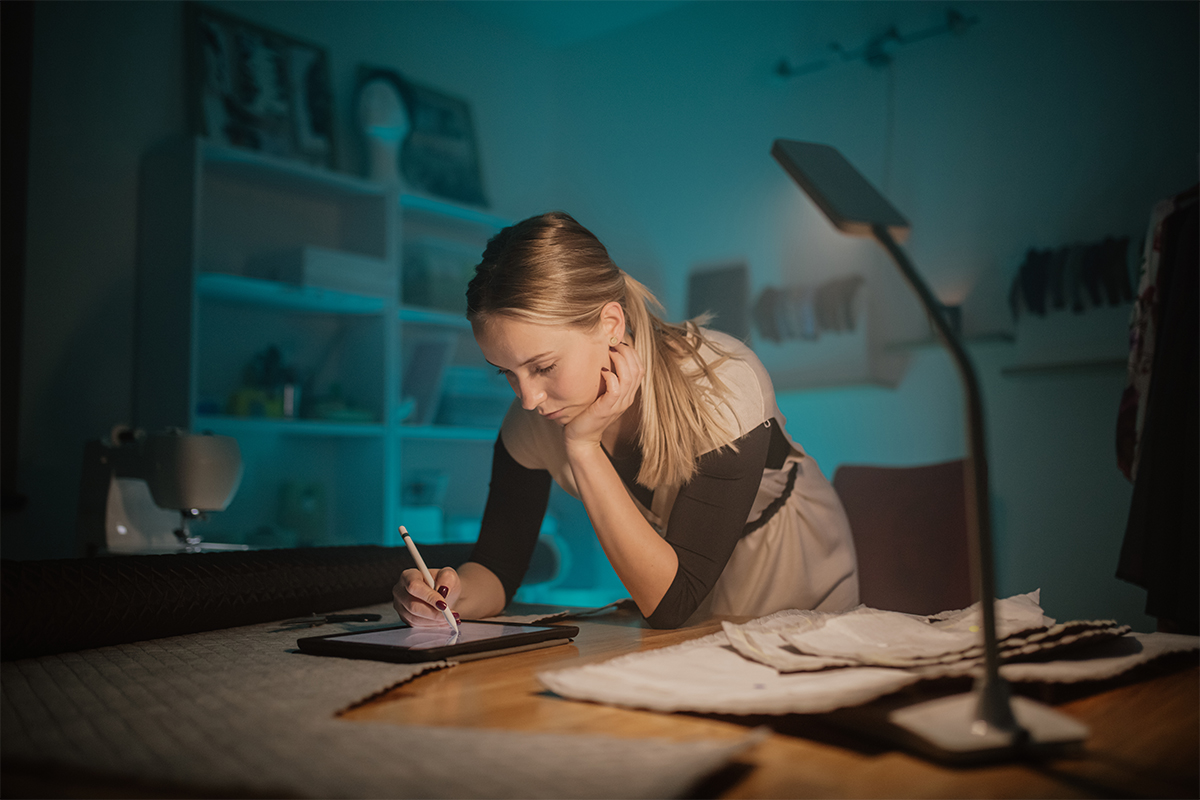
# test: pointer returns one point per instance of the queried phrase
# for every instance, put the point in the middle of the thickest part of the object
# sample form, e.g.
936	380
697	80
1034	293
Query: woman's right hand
420	606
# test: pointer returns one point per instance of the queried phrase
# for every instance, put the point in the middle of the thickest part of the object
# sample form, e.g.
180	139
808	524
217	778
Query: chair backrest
910	534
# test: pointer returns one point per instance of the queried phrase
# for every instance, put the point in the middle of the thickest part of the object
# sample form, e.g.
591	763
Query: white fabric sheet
760	668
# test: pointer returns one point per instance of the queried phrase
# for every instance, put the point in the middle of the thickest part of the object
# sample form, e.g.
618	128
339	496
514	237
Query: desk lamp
986	723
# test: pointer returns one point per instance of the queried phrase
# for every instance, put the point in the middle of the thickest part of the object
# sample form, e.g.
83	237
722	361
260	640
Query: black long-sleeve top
708	517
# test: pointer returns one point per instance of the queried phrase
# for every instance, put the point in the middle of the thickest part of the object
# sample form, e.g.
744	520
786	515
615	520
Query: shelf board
413	202
1067	367
275	294
295	173
432	316
448	433
298	427
982	338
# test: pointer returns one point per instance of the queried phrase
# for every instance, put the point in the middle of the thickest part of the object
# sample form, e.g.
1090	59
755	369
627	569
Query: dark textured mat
58	606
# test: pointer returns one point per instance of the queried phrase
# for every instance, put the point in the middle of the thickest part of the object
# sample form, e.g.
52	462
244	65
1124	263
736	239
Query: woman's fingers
626	374
416	603
620	382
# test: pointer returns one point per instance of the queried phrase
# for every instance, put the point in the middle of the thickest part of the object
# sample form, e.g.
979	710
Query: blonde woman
669	434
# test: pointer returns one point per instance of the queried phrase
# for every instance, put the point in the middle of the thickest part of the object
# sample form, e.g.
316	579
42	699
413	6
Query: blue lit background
1043	125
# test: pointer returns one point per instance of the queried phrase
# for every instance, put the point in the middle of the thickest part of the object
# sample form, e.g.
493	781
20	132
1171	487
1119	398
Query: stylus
412	548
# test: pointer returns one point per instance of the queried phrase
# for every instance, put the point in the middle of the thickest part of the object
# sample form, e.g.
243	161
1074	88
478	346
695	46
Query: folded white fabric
707	675
810	662
893	639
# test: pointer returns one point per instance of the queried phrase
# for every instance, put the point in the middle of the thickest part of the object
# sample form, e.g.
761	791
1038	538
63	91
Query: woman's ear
612	321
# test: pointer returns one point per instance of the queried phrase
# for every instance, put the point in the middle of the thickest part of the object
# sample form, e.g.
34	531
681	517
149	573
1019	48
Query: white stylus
412	548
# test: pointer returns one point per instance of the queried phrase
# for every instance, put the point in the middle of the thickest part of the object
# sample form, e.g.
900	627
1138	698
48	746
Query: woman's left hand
621	382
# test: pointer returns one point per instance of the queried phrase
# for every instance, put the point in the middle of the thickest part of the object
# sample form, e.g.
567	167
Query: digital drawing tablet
405	644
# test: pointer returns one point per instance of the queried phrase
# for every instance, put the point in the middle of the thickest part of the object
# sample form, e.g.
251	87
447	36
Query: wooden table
1145	739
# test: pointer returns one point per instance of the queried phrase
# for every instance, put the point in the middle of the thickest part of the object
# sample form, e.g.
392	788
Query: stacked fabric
813	662
942	645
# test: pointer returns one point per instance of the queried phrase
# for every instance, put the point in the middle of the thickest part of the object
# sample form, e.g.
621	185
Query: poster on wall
258	89
439	155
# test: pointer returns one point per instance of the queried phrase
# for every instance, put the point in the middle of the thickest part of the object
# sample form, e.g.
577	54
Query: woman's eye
543	370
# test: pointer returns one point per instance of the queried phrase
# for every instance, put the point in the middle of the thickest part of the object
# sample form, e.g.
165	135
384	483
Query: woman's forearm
482	594
642	559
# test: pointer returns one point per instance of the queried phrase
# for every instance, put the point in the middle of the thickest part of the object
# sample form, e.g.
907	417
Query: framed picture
723	291
428	358
258	89
439	155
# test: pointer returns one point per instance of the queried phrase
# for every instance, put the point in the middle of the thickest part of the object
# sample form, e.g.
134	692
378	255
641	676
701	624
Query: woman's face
554	369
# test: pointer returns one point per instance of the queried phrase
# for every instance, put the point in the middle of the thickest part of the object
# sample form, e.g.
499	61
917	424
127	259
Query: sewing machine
140	493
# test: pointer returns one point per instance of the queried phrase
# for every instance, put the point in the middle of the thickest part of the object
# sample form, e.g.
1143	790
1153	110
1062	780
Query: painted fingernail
443	590
441	605
457	618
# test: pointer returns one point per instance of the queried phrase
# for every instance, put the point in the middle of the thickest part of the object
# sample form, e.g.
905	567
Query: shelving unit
211	218
443	242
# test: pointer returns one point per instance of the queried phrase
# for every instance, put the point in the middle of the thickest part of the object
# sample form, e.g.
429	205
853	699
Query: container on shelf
473	397
436	273
309	265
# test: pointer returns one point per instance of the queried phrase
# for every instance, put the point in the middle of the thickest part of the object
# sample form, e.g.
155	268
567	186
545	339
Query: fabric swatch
241	712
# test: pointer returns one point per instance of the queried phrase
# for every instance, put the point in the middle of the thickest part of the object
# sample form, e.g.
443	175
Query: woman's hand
620	388
420	606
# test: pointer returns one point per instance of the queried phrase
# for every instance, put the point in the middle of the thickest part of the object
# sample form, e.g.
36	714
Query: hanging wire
889	128
880	50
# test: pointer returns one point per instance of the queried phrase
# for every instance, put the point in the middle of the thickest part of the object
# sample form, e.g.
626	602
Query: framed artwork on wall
723	291
258	89
439	154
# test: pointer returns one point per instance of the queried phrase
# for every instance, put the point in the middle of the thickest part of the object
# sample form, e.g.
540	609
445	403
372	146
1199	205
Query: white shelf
256	291
448	433
412	202
1080	366
982	338
298	427
431	316
293	174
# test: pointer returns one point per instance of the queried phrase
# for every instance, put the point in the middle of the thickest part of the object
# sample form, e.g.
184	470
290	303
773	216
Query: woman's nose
529	395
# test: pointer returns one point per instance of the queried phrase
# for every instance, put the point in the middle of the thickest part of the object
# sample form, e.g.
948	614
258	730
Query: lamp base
946	729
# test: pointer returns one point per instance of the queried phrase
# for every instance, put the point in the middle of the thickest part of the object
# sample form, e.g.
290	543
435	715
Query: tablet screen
425	638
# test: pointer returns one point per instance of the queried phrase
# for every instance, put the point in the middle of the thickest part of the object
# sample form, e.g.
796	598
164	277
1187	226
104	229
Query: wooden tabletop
1145	739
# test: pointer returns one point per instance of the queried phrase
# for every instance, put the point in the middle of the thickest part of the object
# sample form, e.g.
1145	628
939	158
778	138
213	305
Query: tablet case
537	636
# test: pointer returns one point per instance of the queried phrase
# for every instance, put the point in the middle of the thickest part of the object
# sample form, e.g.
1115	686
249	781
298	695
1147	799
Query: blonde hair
551	270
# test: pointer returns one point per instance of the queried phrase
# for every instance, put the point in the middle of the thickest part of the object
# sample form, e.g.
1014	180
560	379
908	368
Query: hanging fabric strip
1082	276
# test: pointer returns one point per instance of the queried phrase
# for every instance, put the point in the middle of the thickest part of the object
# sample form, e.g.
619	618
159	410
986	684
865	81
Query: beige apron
802	557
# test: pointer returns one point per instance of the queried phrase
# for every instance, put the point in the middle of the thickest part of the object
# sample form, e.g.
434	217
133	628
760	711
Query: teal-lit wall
1043	125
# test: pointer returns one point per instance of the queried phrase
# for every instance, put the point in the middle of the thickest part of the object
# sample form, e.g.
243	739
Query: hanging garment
1081	275
1159	422
1143	327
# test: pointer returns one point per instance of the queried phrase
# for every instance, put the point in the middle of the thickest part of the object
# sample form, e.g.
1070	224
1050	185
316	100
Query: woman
669	434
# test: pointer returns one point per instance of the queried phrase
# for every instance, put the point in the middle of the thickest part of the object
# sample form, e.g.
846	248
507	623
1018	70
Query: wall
107	85
1042	125
95	109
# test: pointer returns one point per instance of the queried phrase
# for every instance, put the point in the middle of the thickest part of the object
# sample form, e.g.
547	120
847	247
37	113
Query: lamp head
852	204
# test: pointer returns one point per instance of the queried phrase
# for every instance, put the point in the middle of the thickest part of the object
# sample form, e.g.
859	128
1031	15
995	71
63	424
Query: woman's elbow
669	616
